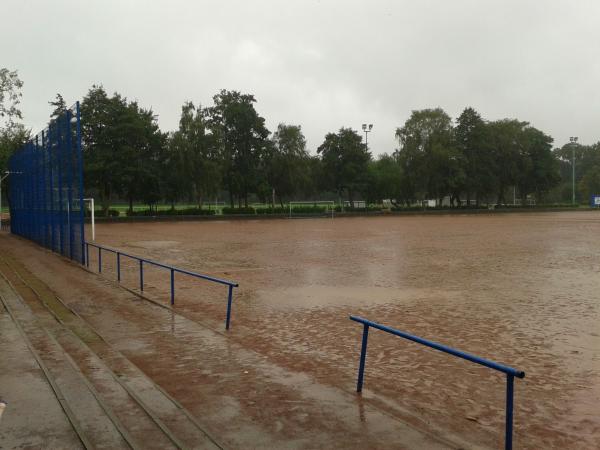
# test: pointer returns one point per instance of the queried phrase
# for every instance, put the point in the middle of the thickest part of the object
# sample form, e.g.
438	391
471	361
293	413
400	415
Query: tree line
225	150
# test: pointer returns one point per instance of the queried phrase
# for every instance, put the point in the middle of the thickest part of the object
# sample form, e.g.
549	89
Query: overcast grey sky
320	64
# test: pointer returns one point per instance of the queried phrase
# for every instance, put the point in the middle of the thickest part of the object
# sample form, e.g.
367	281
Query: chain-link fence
46	187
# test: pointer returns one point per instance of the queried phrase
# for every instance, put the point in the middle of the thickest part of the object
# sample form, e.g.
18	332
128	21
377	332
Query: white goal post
328	204
92	209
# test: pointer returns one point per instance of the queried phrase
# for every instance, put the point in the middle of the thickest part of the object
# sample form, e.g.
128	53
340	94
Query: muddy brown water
520	289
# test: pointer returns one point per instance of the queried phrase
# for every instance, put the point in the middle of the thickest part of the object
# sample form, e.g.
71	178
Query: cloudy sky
321	64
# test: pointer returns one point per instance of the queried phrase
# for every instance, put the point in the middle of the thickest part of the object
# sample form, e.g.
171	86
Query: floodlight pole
367	129
573	140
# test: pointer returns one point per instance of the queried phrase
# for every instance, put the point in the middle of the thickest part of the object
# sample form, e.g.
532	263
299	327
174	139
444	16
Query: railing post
509	411
118	267
363	357
141	275
172	287
229	298
87	255
99	259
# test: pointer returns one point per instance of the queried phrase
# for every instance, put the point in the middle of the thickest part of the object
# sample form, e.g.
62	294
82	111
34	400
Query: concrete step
148	417
93	425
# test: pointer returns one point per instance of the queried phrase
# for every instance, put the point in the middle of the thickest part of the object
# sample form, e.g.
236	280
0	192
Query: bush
228	210
276	210
187	212
100	213
308	209
369	208
173	212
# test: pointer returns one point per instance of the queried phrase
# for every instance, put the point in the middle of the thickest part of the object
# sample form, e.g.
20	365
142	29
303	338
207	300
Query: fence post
229	298
509	411
118	267
363	357
172	287
99	259
141	275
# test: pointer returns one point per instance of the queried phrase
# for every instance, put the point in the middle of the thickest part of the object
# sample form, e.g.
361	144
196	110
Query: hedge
228	210
173	212
100	213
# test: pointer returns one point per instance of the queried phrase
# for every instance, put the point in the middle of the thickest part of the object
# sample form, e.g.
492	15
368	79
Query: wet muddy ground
521	289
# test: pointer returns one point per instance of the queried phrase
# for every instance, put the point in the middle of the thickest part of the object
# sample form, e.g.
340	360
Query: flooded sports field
520	289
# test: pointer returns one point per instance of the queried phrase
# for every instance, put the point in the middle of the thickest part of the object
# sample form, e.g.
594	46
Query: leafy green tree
431	164
506	146
12	138
59	106
345	159
590	182
288	163
10	95
122	147
240	137
385	179
175	182
196	154
12	133
539	169
140	142
585	157
472	140
523	157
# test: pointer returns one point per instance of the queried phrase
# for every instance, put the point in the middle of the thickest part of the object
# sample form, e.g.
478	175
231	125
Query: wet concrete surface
521	289
24	387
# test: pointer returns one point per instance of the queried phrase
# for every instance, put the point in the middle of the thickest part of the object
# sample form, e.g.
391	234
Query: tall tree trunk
106	198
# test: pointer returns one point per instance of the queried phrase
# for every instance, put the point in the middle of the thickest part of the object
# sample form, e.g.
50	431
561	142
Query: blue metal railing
510	372
173	270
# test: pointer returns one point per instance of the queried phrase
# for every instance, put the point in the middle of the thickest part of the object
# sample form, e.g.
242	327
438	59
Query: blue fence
119	254
510	372
46	187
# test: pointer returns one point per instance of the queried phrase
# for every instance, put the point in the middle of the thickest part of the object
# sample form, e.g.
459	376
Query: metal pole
118	267
573	167
87	254
509	411
229	298
363	357
93	221
141	275
172	287
99	260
